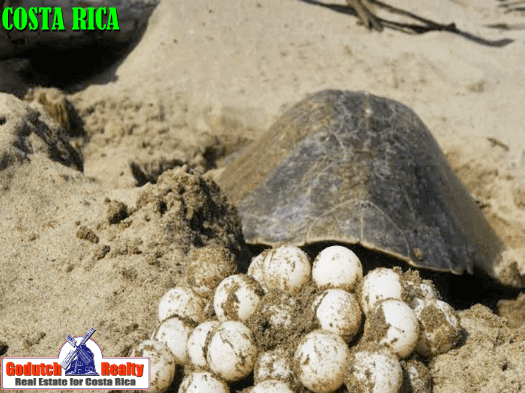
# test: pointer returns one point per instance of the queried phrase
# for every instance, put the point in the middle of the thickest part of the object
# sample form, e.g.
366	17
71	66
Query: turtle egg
320	361
418	290
162	364
337	267
202	382
256	268
271	386
441	330
236	298
394	324
183	303
275	320
197	342
378	285
207	266
286	268
174	334
275	365
374	372
338	311
417	377
231	351
428	291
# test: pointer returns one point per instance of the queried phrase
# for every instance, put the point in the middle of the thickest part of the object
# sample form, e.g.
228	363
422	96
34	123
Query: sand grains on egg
207	266
203	382
174	333
394	324
337	267
338	311
197	343
276	365
181	302
162	364
378	285
373	370
320	361
440	328
231	351
271	386
237	297
286	268
256	268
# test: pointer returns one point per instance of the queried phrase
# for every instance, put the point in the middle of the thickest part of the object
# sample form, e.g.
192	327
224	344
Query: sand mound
75	255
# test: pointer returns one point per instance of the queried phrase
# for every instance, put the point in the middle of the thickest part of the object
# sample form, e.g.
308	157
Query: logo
79	365
80	360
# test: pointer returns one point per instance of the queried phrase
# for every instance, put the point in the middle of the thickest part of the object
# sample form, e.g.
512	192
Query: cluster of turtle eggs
403	316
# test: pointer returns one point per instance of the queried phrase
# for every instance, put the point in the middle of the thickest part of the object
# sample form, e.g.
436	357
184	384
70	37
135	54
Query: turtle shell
354	168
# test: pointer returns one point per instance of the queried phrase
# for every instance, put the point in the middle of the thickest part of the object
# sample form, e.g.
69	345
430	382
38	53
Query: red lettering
10	368
140	369
57	369
113	369
122	370
19	369
105	368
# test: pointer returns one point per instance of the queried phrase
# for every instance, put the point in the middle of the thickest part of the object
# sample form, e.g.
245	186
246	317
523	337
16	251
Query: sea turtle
354	168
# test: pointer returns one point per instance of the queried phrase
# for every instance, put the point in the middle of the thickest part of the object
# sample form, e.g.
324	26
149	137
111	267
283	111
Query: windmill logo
80	360
80	365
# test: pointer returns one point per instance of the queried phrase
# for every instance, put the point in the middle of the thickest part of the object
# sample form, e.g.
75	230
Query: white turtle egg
202	382
374	372
394	324
378	285
286	268
440	326
275	365
321	359
338	311
162	364
231	351
256	268
271	386
426	292
197	342
174	334
337	267
419	291
237	297
183	303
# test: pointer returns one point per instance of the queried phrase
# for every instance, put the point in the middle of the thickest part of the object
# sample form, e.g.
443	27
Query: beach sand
91	249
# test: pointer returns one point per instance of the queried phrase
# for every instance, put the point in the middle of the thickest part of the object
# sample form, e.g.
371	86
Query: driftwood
132	20
512	5
366	13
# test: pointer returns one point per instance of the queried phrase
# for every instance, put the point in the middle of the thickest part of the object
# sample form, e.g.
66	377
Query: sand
91	249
